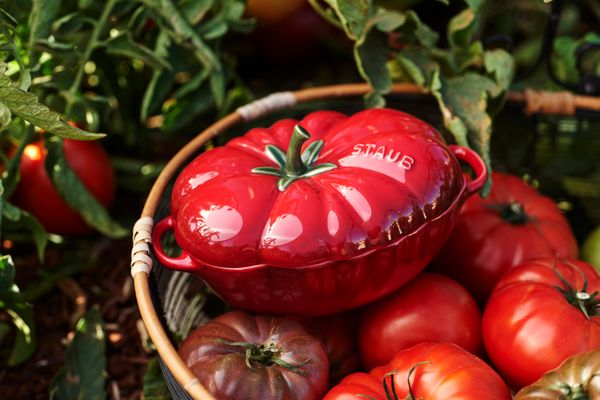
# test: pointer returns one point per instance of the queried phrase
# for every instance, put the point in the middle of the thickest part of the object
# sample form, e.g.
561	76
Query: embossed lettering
369	148
406	162
391	157
366	149
357	149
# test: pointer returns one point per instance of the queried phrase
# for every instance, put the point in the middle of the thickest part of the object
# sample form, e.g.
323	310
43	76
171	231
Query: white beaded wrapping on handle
266	105
142	237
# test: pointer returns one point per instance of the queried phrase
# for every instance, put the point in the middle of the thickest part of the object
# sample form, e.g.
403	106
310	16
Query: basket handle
182	262
476	163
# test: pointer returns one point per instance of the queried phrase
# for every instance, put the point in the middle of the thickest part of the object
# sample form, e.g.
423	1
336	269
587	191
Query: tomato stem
512	212
265	354
588	303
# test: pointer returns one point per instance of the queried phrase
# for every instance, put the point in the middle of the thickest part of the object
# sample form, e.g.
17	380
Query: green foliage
84	373
464	78
20	312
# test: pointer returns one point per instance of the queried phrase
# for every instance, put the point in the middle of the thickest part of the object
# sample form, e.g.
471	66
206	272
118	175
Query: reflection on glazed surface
393	174
325	242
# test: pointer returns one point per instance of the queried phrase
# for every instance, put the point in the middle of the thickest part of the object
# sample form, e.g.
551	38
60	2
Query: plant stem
324	14
91	46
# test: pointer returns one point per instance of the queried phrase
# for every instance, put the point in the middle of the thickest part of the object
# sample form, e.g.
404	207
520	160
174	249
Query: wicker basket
168	300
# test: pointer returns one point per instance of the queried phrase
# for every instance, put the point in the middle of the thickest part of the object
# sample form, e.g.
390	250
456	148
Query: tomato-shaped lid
328	187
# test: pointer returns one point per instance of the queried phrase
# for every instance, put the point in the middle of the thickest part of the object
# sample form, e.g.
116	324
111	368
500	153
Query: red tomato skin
528	325
339	334
442	371
483	245
431	308
36	193
269	12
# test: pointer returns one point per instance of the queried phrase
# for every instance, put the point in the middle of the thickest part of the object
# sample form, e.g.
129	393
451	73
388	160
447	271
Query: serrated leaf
155	387
75	193
43	13
124	45
23	219
463	101
388	21
185	33
461	28
27	106
371	58
83	375
414	27
354	15
501	66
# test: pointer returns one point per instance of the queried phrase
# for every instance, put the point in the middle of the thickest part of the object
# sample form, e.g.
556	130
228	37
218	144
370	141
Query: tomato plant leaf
75	193
460	28
124	45
161	82
564	60
20	312
353	15
155	387
43	14
463	100
371	58
27	106
500	66
16	219
84	373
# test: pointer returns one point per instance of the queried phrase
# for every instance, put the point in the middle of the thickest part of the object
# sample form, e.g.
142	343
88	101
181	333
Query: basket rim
561	103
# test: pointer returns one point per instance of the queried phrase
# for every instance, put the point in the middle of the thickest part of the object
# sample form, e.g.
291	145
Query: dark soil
105	282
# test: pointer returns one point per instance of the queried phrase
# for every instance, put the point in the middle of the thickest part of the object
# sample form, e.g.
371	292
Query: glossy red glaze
330	241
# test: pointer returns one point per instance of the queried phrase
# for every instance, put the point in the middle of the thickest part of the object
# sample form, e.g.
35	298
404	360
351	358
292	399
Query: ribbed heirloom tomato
540	313
241	356
430	308
577	378
436	371
36	193
513	224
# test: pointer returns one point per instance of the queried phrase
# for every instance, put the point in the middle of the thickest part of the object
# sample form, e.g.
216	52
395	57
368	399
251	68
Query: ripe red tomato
512	225
431	308
241	356
36	193
436	371
578	377
339	335
536	317
268	12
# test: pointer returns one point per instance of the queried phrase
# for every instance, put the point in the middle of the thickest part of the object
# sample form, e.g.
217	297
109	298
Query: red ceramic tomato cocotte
320	215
